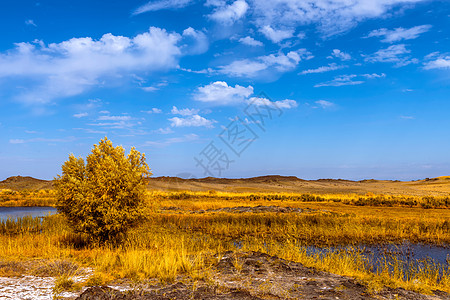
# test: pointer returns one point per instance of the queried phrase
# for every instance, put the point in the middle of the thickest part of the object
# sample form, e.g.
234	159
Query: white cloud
250	41
80	115
395	54
265	65
221	93
154	110
440	63
325	104
194	42
191	121
167	130
351	79
331	16
341	55
149	88
162	4
186	138
229	14
341	80
407	117
16	141
330	67
184	111
286	104
73	66
114	118
374	75
398	34
31	23
276	36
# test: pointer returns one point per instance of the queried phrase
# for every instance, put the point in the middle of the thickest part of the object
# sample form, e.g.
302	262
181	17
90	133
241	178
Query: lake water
18	212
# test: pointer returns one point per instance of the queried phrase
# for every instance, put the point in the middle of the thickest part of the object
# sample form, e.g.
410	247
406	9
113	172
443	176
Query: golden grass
171	243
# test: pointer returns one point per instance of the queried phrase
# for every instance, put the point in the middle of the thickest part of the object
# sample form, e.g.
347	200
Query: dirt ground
255	275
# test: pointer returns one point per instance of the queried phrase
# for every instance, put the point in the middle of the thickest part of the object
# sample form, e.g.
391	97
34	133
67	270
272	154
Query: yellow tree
104	196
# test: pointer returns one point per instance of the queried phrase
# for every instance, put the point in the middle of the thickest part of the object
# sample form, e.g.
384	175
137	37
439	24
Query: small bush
103	197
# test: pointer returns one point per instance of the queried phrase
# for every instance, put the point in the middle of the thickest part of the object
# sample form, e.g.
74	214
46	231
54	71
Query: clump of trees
104	196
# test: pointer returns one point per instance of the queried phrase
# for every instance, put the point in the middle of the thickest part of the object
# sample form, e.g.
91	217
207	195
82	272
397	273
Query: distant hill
25	183
270	183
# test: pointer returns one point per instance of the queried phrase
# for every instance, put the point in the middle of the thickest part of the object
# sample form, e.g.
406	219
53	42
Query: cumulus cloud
331	16
250	41
161	5
229	14
394	54
398	34
259	66
191	121
330	67
184	111
221	93
276	36
194	42
71	67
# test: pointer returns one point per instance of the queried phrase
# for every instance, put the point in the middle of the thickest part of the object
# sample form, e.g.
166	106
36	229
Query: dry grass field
193	227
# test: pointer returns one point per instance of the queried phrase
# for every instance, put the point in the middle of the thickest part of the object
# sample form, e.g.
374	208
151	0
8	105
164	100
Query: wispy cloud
330	67
325	104
161	5
351	79
43	140
341	81
397	54
81	115
167	142
154	110
331	17
184	111
442	62
30	23
399	34
340	54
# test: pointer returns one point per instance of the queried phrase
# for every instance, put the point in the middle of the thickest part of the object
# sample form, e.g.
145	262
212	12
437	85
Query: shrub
103	197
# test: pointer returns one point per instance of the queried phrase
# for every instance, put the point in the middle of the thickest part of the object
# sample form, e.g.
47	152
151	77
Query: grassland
184	231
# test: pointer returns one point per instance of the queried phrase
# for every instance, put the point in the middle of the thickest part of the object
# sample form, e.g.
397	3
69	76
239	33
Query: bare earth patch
255	275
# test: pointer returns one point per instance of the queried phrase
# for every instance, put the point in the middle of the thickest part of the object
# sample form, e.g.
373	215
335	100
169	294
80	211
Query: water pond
19	212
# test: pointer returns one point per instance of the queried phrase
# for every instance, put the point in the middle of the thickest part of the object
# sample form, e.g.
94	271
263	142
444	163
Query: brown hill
25	183
270	183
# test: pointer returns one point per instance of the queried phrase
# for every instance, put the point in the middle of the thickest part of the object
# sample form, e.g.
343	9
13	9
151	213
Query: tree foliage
103	197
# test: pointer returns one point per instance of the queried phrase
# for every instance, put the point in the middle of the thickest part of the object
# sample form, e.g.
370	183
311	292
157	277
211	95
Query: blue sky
313	88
